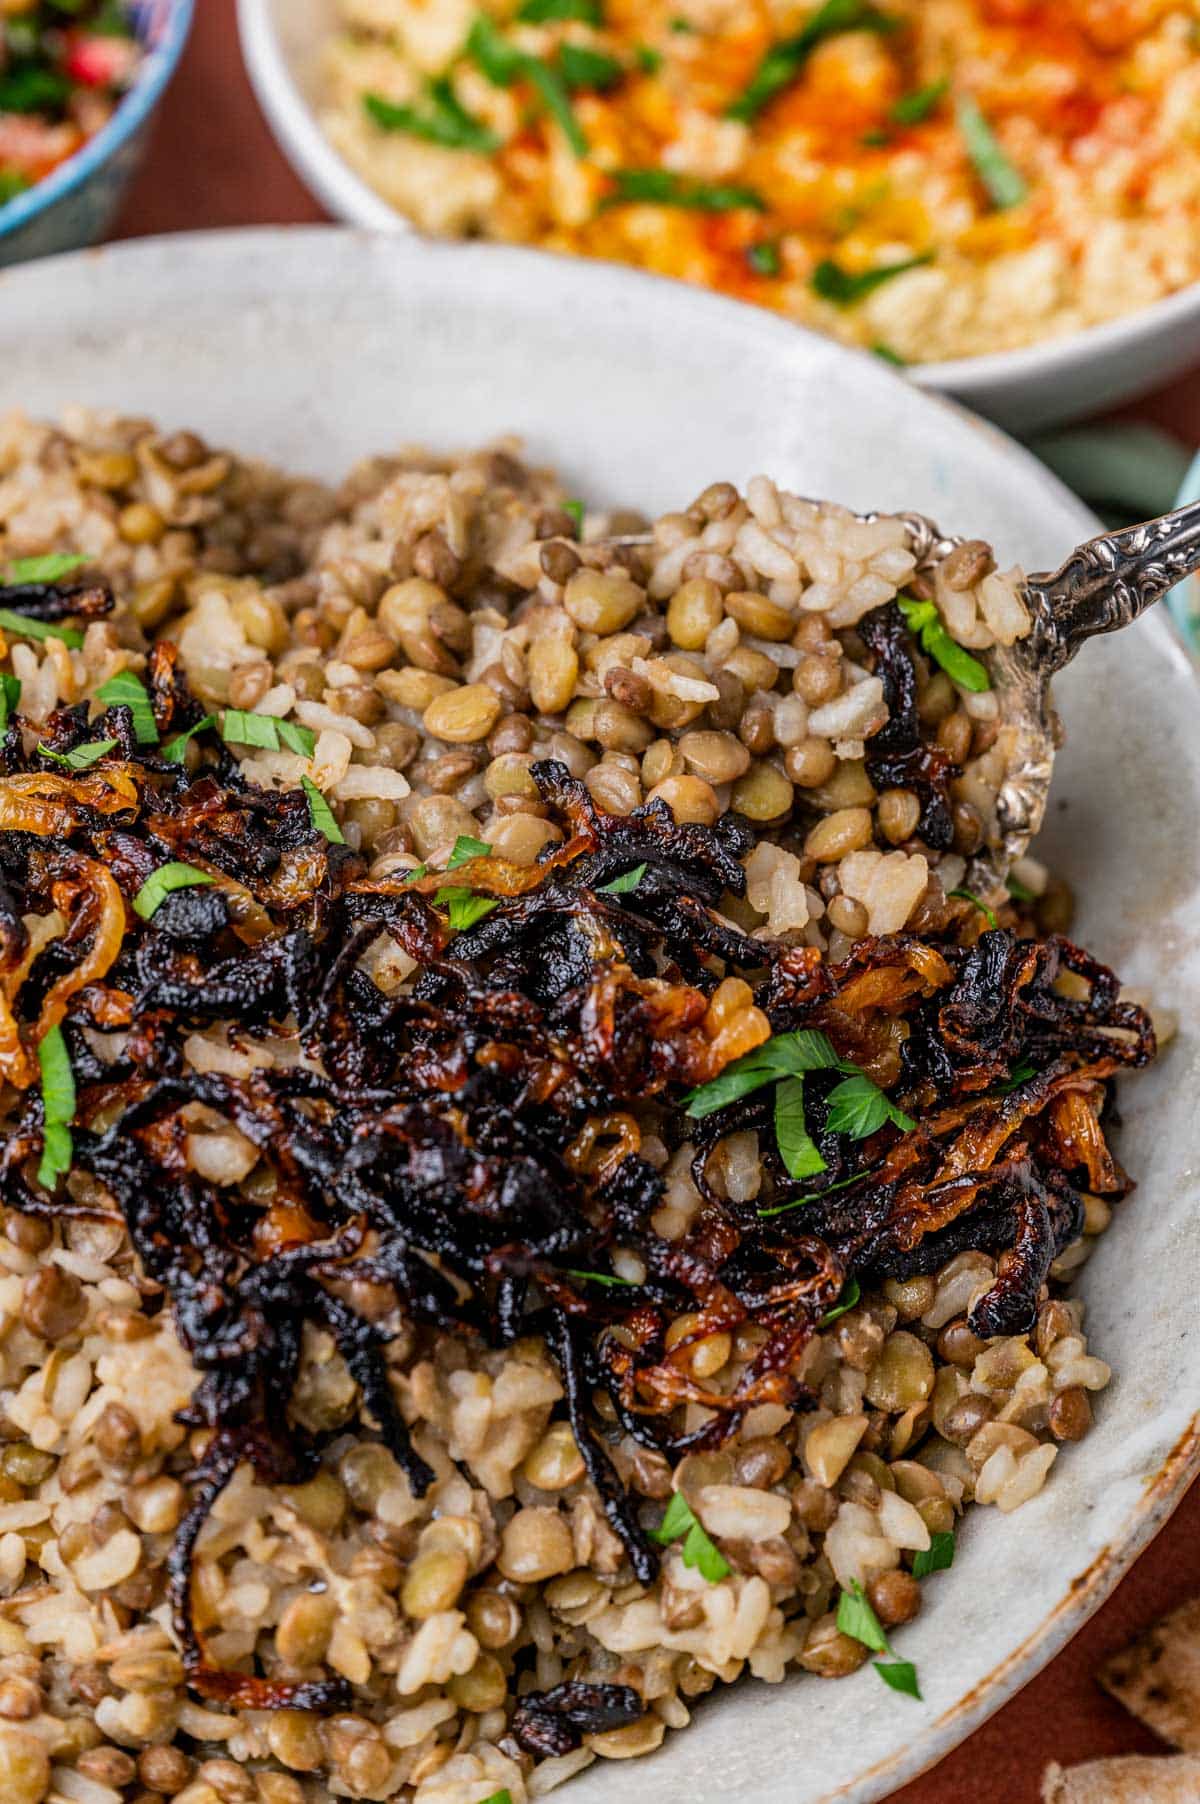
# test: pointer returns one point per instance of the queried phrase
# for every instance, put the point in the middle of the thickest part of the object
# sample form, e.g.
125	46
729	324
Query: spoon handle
1108	582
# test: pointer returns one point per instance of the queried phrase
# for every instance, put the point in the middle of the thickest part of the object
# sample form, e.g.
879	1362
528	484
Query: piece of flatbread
1129	1779
1157	1678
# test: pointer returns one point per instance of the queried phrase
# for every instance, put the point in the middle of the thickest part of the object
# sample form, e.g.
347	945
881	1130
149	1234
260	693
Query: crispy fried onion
473	1147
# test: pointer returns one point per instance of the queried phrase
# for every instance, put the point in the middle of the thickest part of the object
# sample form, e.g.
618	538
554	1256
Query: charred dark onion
470	1143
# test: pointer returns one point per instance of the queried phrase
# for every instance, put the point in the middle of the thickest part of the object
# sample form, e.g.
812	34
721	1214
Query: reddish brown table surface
214	163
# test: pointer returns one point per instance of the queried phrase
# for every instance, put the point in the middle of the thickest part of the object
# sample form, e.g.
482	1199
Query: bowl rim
346	194
131	114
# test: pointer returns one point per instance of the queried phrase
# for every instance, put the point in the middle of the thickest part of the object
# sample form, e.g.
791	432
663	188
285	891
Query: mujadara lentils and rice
531	1188
930	178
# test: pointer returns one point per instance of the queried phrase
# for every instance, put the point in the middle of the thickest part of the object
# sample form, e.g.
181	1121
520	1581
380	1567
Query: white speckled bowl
1042	385
314	347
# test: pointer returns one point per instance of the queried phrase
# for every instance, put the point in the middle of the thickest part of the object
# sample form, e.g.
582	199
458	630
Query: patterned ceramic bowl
75	205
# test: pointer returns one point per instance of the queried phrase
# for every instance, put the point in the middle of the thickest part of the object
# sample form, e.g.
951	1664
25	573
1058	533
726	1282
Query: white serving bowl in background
1043	385
315	347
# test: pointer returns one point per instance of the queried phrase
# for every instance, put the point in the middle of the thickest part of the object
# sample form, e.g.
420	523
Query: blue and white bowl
75	205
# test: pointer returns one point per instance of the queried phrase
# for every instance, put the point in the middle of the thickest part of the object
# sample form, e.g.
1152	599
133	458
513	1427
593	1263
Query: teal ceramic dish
75	205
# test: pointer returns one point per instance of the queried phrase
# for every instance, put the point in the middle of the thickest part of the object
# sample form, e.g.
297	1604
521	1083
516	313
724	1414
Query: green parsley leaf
12	183
877	137
466	848
499	1797
83	756
583	67
937	1557
33	90
503	64
49	569
764	259
621	886
844	287
698	1549
797	1148
442	120
321	814
1020	892
784	1055
901	1675
465	908
543	12
160	883
923	620
1020	1074
648	60
267	732
966	895
58	1106
25	628
421	870
10	696
607	1278
814	1196
783	62
576	511
858	1107
856	1618
889	356
663	188
912	108
1002	179
683	27
175	748
849	1298
128	691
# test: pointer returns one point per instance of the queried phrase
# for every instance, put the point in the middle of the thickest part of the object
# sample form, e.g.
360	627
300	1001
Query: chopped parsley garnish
912	108
698	1550
466	848
12	183
1020	1074
582	67
464	907
967	895
845	287
850	1297
576	510
128	691
175	748
499	1797
441	120
937	1557
663	188
621	886
683	27
924	621
58	1107
764	258
321	814
1002	179
856	1106
29	89
608	1278
49	569
83	756
797	1148
160	883
10	695
25	628
1020	892
889	356
784	60
267	733
503	64
814	1196
543	12
856	1618
648	60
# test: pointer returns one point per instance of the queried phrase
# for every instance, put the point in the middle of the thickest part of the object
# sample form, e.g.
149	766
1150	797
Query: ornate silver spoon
1104	585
